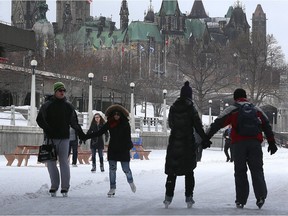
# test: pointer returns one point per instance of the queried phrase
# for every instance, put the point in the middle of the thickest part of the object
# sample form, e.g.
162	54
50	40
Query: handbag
47	152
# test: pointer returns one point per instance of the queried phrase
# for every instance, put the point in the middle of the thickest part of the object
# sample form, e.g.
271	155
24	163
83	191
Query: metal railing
19	116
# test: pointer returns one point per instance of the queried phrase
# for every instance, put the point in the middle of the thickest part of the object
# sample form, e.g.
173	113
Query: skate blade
189	205
65	194
53	194
166	204
111	195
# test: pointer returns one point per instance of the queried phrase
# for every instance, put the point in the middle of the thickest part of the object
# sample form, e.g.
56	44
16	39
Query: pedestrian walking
97	143
73	146
227	144
120	144
181	156
248	122
55	117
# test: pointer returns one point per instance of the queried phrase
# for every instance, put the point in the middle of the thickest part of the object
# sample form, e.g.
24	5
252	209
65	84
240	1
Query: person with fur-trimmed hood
120	144
181	156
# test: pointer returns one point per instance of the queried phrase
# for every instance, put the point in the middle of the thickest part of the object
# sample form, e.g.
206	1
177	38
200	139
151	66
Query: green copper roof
195	28
169	7
229	12
140	31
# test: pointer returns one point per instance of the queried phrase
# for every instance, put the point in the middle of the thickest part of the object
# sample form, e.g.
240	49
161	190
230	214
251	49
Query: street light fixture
210	111
164	111
132	86
90	101
33	110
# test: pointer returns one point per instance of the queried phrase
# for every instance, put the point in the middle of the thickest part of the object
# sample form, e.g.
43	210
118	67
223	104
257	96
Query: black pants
189	184
249	153
227	147
73	145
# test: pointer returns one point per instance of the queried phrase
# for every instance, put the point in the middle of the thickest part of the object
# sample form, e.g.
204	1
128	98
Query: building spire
124	15
198	10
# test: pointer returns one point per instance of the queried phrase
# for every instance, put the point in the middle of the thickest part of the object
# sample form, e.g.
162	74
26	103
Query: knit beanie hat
186	91
58	85
239	93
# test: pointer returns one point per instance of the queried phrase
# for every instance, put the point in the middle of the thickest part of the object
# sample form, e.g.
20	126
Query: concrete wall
11	136
153	140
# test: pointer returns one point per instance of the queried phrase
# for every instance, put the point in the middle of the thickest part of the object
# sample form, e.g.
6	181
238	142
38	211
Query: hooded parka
181	150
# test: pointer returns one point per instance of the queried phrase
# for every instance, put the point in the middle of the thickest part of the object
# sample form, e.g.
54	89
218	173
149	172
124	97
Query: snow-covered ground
23	190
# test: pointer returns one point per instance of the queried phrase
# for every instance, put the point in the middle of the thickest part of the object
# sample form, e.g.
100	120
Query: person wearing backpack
248	122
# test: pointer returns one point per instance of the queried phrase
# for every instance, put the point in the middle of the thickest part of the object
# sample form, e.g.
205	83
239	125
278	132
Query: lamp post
32	119
132	85
90	114
164	111
210	109
273	120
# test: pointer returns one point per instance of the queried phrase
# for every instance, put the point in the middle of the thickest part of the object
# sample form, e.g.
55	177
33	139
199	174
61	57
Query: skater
247	123
73	146
55	117
119	146
97	143
227	145
181	151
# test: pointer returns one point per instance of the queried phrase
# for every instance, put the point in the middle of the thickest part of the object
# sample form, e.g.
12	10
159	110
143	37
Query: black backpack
248	123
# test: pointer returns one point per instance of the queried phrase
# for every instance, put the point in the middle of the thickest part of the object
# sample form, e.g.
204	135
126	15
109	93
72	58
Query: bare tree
260	68
209	70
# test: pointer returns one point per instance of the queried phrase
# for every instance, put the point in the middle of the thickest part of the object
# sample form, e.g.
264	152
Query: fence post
12	122
156	124
141	124
149	123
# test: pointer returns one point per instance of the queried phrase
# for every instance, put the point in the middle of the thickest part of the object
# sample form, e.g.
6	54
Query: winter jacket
56	116
181	151
97	142
120	141
230	116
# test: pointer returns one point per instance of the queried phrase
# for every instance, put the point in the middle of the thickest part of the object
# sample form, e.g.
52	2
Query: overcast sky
276	12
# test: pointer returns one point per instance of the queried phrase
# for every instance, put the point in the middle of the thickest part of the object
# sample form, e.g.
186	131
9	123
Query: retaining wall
11	136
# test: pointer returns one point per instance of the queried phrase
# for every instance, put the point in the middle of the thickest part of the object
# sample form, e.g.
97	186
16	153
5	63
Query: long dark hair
93	122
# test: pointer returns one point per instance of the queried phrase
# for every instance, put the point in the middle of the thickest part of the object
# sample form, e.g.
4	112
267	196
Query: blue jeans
112	172
100	154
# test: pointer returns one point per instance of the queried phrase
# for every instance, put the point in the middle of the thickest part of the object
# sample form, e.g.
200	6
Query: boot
102	167
167	201
93	168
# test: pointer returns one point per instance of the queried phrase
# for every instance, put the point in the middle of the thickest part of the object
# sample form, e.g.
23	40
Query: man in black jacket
55	117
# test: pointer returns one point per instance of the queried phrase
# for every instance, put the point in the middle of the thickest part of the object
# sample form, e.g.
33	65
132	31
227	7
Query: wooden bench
84	156
141	153
18	156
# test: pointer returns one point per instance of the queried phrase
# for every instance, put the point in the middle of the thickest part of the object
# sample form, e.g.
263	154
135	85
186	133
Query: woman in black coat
120	144
181	151
97	143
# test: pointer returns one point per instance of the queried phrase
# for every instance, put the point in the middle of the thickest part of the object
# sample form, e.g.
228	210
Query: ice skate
133	187
260	202
111	192
64	192
93	168
53	192
102	167
239	205
189	201
167	201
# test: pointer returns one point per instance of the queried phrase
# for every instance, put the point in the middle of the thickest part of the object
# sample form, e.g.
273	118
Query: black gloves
206	144
272	148
82	136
